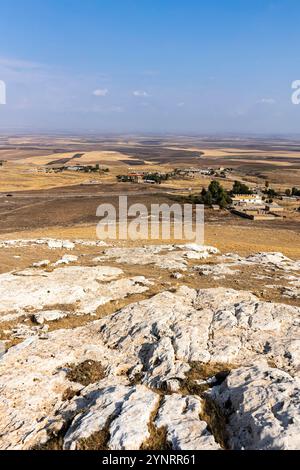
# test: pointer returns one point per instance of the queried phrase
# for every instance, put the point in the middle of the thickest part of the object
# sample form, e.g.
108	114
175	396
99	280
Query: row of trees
292	192
95	169
215	194
158	177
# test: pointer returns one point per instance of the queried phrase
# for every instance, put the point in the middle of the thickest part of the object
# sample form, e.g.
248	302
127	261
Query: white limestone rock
274	259
157	338
90	243
49	316
93	413
130	428
217	271
51	243
211	250
177	276
269	261
87	287
126	411
2	348
66	259
41	264
163	256
55	244
33	381
292	292
146	256
217	325
262	406
185	430
60	244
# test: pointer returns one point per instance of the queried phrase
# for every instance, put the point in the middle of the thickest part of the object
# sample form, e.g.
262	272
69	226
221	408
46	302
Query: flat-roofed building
242	199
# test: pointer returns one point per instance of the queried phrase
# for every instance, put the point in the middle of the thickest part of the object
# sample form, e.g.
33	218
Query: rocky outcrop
273	260
51	243
48	316
124	411
153	343
187	368
262	408
85	287
162	256
185	430
212	325
217	271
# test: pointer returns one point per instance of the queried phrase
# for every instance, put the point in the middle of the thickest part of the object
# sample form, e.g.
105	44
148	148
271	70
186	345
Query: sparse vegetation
86	373
216	421
201	372
98	441
158	436
271	193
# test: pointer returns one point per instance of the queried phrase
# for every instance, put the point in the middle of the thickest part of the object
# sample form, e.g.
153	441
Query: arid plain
39	203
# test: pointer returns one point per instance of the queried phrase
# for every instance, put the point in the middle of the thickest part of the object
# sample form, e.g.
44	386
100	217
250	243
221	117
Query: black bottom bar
128	459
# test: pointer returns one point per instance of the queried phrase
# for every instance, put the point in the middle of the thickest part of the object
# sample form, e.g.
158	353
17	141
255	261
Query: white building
242	199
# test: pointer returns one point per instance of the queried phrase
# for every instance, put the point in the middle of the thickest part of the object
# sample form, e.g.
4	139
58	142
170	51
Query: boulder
262	407
185	430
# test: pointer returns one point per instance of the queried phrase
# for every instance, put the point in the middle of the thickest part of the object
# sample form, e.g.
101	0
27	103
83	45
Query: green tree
215	189
208	199
240	188
271	193
296	192
223	203
218	195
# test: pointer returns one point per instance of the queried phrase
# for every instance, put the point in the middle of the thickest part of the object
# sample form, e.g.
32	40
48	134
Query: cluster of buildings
136	177
145	177
193	172
290	198
79	168
253	207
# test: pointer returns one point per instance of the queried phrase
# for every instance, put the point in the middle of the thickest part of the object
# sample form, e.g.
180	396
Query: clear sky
190	66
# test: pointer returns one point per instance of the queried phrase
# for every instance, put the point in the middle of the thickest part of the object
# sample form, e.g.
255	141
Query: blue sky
150	66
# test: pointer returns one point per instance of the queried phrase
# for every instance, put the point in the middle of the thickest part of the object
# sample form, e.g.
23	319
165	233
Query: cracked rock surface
158	339
81	285
186	368
262	408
